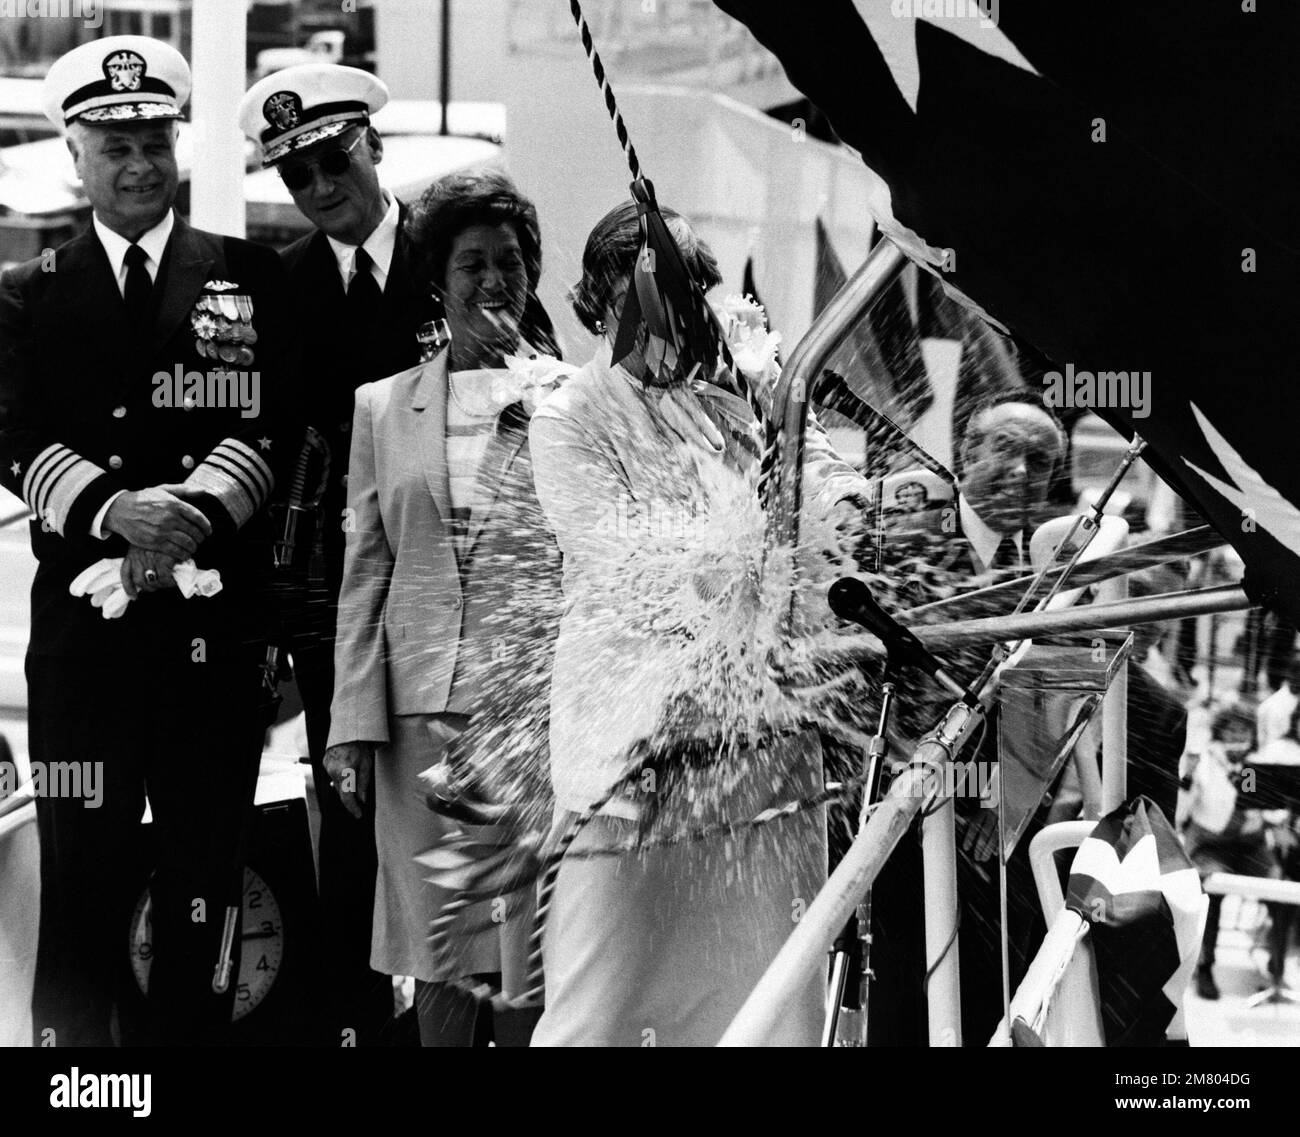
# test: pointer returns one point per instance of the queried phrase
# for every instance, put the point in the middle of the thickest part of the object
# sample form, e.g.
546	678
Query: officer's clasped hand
160	520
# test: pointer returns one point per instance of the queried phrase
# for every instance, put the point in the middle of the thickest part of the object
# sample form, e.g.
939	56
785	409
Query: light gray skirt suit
429	641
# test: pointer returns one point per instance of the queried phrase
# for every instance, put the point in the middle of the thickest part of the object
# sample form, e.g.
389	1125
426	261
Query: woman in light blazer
450	585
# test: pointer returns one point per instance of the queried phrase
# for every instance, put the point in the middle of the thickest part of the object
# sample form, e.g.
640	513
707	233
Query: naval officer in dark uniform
122	428
358	313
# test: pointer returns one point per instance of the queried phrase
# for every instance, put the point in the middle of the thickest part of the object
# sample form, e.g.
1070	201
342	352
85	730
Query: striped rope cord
536	983
770	436
440	930
731	828
611	104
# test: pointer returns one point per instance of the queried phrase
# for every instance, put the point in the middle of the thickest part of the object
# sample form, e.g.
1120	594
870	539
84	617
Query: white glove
99	576
112	601
191	579
102	582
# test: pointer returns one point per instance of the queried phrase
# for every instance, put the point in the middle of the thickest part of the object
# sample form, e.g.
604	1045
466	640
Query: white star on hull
895	35
1248	491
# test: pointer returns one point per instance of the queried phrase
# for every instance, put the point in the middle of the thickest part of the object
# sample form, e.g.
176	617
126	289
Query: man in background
1273	718
1009	453
357	315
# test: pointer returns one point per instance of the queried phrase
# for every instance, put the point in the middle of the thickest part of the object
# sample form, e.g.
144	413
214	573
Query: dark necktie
138	285
1007	557
364	297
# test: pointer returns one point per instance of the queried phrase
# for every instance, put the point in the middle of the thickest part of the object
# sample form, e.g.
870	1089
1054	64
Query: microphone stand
850	599
843	947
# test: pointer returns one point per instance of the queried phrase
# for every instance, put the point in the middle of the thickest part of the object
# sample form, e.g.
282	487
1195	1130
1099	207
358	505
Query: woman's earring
600	327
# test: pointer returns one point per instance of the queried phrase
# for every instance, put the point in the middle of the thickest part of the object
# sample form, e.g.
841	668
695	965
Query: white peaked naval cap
117	79
303	105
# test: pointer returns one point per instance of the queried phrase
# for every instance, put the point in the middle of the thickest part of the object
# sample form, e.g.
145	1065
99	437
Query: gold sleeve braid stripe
235	475
54	481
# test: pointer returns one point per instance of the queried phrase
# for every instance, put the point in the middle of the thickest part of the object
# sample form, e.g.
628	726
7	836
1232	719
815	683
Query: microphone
850	599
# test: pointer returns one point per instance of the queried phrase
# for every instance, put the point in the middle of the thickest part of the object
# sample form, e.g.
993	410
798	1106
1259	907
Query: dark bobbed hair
610	255
1227	717
458	201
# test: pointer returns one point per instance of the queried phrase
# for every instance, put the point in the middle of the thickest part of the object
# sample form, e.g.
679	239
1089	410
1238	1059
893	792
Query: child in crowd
1221	834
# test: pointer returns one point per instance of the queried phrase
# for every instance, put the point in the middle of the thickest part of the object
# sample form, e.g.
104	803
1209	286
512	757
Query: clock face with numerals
261	944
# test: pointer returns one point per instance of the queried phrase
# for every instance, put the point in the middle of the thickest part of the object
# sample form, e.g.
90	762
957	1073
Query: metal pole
1091	617
1044	976
813	936
444	80
939	865
1088	768
1212	661
1249	686
217	169
1114	717
852	1029
800	375
987	601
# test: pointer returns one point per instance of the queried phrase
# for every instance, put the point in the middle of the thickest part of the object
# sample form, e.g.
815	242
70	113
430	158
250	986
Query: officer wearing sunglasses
357	315
331	165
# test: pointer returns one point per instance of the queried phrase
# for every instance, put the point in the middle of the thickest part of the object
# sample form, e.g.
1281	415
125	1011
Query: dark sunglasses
333	164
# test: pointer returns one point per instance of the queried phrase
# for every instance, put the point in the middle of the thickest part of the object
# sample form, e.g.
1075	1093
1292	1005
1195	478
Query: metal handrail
1122	562
915	789
1090	617
799	377
1028	625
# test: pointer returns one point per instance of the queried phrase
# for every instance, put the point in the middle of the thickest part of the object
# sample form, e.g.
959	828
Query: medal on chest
222	321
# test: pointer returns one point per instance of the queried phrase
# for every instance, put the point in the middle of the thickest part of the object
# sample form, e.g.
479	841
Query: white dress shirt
379	245
154	243
1213	794
984	541
1273	717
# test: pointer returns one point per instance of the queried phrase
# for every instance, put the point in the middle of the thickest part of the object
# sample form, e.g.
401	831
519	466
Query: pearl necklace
466	411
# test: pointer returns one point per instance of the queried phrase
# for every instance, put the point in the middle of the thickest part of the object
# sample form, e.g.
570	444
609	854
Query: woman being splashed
647	474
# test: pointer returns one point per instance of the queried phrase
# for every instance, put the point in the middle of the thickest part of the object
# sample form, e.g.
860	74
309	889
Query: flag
1116	185
1141	896
749	287
830	276
882	358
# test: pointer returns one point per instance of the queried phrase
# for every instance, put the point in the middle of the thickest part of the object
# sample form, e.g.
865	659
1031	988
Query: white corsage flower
752	346
528	380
